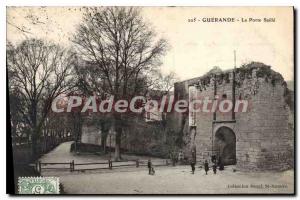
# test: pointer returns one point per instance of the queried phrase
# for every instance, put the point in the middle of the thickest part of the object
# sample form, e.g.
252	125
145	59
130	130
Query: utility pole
234	59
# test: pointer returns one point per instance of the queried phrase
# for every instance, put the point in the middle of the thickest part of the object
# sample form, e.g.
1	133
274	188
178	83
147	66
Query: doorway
225	145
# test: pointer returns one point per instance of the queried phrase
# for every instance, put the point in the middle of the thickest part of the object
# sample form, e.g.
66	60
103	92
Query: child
152	171
215	168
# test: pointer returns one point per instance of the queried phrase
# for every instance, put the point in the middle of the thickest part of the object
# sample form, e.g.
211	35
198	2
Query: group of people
193	163
206	166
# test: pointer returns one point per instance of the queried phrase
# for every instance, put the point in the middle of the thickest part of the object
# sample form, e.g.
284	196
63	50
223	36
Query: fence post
73	166
40	167
167	163
36	166
137	163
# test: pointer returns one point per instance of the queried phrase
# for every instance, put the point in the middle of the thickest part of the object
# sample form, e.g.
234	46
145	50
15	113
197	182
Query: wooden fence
72	166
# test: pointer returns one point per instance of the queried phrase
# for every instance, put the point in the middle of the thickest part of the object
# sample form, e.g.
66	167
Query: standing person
221	165
193	166
149	166
215	168
206	168
193	160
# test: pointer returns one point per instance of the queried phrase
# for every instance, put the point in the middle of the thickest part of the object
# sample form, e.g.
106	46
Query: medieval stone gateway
259	139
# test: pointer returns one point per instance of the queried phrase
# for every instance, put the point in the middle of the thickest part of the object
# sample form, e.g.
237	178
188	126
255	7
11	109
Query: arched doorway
225	145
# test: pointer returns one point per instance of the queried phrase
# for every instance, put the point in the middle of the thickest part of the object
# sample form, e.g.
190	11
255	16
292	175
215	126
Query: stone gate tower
260	138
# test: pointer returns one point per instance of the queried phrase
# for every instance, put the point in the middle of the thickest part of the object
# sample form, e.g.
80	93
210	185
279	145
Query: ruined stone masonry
259	139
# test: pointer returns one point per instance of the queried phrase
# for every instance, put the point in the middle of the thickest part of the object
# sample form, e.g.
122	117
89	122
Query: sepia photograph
150	100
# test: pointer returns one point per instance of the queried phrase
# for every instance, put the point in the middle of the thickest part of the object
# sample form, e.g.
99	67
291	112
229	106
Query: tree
19	127
121	50
162	82
40	72
17	122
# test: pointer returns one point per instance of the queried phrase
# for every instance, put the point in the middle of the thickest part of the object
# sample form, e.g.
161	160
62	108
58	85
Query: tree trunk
103	141
34	144
34	133
118	130
118	144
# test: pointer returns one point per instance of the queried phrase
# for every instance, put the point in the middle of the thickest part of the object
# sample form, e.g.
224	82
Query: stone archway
225	145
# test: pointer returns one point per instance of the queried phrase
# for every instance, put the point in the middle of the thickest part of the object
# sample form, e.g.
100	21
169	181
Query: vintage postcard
150	100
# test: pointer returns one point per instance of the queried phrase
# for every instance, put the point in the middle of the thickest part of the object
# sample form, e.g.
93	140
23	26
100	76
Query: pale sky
195	46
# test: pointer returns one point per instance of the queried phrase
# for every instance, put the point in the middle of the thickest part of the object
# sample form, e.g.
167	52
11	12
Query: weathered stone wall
138	136
91	135
263	139
146	138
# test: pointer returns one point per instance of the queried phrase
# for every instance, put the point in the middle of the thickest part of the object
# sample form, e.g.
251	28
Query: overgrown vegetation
242	73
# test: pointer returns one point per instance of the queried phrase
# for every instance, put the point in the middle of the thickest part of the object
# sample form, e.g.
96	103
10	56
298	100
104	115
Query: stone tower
260	138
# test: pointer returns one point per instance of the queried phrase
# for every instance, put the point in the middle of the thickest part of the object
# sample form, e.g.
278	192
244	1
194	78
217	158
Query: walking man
149	166
206	168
